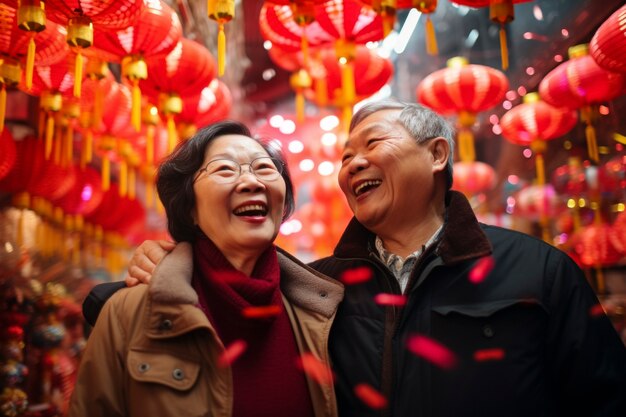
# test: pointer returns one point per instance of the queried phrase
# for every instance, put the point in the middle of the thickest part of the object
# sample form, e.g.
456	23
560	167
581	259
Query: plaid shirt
401	268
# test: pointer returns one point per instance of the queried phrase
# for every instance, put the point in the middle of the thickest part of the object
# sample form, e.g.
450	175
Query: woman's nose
248	181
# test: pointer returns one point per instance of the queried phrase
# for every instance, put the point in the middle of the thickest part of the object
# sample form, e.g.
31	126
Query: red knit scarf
265	377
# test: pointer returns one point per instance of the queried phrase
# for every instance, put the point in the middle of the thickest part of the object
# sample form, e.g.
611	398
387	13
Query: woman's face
239	213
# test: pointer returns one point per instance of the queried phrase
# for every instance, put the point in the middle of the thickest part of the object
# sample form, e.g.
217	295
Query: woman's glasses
225	171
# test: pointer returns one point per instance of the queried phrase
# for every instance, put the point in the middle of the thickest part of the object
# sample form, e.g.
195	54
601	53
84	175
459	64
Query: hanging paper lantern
570	179
82	17
533	123
154	35
608	45
500	12
85	196
539	202
8	153
594	246
473	177
580	83
465	89
187	70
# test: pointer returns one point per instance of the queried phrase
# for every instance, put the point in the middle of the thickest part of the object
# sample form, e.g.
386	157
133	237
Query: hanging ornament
222	11
608	45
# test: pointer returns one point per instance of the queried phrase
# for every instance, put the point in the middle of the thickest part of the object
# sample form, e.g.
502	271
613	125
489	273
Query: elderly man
444	316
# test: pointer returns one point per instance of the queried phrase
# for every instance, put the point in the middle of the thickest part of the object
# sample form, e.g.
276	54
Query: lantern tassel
221	49
504	50
136	106
304	46
78	74
592	143
431	39
347	83
106	173
89	146
466	145
346	116
300	106
150	144
540	167
172	135
49	135
321	92
132	181
123	178
30	63
3	106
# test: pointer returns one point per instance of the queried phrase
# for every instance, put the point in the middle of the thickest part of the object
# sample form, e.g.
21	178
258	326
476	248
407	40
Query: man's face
387	178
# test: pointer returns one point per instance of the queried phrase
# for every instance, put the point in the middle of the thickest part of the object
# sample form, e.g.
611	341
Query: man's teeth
259	208
363	185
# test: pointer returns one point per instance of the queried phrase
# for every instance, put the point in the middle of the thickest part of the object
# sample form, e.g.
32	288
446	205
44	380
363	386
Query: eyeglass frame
278	164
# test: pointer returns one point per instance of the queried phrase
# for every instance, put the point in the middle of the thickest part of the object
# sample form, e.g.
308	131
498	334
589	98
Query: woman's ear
440	151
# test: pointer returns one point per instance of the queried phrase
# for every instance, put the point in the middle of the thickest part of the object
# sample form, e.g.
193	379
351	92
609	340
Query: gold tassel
300	106
504	51
78	74
106	173
30	62
3	106
321	91
431	39
89	146
592	143
541	172
304	46
221	49
49	134
347	84
150	131
466	145
346	116
132	180
123	178
136	106
172	135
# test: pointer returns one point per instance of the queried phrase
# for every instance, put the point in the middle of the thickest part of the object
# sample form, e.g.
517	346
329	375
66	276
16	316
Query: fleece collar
462	237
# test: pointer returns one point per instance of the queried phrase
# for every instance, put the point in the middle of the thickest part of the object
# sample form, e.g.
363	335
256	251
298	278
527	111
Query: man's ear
440	151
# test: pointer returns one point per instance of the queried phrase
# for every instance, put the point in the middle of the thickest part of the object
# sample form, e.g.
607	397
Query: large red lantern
82	17
212	104
581	83
608	45
465	89
533	123
154	35
473	177
501	12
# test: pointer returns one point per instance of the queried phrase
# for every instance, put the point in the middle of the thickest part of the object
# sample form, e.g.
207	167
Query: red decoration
581	83
473	177
594	246
533	123
608	45
8	153
465	89
211	105
618	236
85	196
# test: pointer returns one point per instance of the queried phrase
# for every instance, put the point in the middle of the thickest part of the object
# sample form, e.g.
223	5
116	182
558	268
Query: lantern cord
3	106
78	74
150	144
431	39
89	146
346	116
466	145
30	62
300	106
592	143
504	50
221	49
123	178
49	134
132	180
347	83
106	173
136	106
541	172
172	135
321	91
304	46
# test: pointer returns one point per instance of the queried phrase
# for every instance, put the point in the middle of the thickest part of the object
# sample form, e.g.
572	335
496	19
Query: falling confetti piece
484	355
315	369
231	353
432	351
596	310
261	312
481	269
356	275
385	299
371	397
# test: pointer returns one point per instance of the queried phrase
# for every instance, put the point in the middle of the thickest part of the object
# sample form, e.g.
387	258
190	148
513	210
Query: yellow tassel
150	144
69	146
136	106
89	146
504	51
221	49
172	135
540	167
49	135
592	144
78	74
304	46
123	178
321	91
347	84
300	106
132	181
346	116
106	173
3	106
30	63
466	145
431	39
57	144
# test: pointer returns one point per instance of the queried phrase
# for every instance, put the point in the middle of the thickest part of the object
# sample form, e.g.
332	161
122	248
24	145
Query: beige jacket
154	353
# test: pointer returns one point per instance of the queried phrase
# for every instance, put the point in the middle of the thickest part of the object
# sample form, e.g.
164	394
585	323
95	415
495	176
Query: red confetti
385	299
315	369
484	355
597	310
481	269
371	397
261	312
356	275
432	351
231	353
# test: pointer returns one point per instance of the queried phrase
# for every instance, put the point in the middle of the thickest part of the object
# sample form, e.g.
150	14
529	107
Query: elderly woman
226	333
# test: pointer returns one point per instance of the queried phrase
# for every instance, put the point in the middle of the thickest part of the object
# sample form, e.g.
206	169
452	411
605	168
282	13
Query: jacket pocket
161	368
484	309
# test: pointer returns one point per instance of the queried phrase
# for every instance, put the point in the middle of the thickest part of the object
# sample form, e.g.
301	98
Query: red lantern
154	35
211	105
465	89
501	12
539	202
8	153
618	236
594	246
580	82
533	123
473	178
608	45
85	196
186	71
82	17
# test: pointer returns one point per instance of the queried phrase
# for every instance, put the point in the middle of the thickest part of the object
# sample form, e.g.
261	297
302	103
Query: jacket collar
462	237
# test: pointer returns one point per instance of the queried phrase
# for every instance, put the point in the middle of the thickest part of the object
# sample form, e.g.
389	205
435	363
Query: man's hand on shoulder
145	259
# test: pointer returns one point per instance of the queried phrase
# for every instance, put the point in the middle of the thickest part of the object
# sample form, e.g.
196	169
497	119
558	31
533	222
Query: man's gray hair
421	122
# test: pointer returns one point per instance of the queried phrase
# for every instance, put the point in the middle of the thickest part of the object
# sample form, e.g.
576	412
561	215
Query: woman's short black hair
176	174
